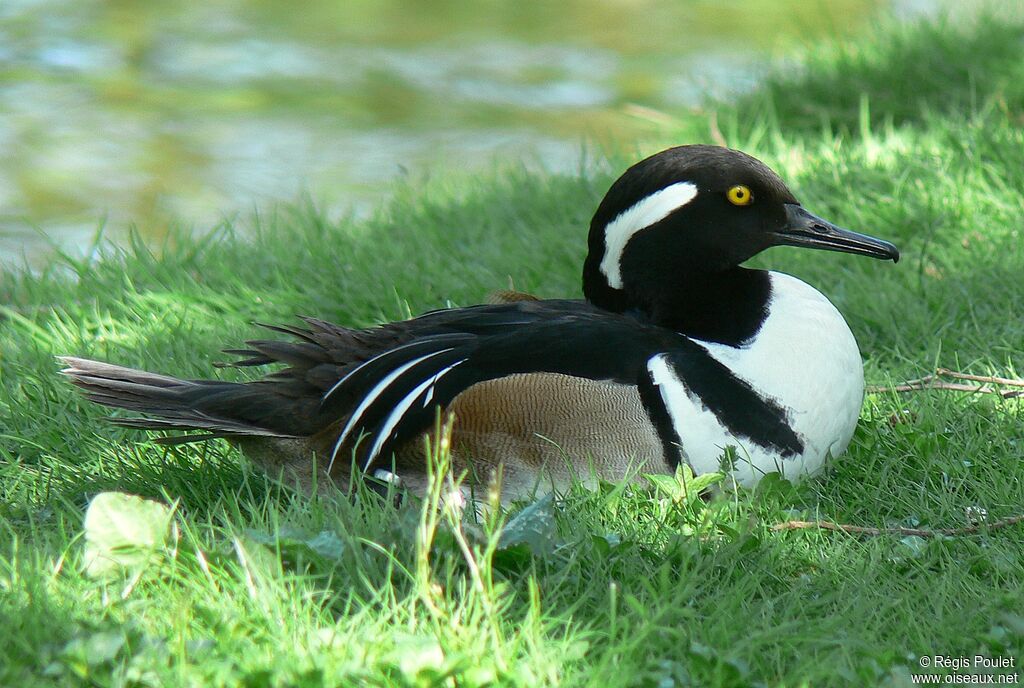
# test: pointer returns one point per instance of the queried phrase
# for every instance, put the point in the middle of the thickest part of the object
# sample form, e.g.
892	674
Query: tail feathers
217	429
176	404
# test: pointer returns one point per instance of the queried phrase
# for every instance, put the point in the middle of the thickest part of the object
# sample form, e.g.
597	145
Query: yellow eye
740	195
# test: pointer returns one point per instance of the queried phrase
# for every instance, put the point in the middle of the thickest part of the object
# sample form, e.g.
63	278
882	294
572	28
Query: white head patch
644	213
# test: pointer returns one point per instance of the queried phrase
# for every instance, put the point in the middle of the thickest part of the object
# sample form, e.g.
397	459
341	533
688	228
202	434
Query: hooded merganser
676	354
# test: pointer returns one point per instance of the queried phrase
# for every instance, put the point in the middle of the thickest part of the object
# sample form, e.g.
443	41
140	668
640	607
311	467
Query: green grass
915	136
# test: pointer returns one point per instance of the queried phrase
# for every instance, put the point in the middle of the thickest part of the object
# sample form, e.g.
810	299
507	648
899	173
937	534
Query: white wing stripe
372	396
399	412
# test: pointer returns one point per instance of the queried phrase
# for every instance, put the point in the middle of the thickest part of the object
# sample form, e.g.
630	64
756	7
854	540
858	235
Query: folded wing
395	396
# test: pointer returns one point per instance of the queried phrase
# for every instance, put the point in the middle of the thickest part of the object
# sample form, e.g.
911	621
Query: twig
939	384
908	386
864	530
980	378
921	380
932	382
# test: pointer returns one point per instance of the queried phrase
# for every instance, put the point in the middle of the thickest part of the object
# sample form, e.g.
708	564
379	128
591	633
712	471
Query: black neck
727	306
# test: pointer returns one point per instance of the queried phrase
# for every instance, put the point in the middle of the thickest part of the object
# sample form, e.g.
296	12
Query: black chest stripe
736	404
658	413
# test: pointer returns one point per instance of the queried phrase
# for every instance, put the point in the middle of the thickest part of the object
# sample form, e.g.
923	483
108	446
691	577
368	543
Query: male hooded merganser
676	354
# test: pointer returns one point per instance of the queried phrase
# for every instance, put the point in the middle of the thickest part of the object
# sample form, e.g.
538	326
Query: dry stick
908	386
864	530
931	382
939	384
980	378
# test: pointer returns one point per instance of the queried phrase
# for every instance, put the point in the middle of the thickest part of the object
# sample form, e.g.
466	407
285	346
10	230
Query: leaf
698	484
776	488
914	545
85	654
123	531
728	460
96	649
534	527
604	544
684	486
665	484
296	546
417	656
1013	623
327	544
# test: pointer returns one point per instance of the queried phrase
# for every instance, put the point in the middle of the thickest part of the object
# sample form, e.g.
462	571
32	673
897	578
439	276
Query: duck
678	354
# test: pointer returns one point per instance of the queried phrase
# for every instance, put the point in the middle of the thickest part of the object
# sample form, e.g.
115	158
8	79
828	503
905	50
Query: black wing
395	396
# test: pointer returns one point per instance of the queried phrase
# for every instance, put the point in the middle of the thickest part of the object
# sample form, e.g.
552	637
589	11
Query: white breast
805	359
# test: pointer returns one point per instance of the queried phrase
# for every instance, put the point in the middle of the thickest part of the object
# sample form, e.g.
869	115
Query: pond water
133	113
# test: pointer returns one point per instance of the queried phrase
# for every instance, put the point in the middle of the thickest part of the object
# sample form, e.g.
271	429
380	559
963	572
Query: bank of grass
914	135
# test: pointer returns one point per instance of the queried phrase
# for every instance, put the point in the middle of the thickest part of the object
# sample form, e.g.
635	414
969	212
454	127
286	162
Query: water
149	114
